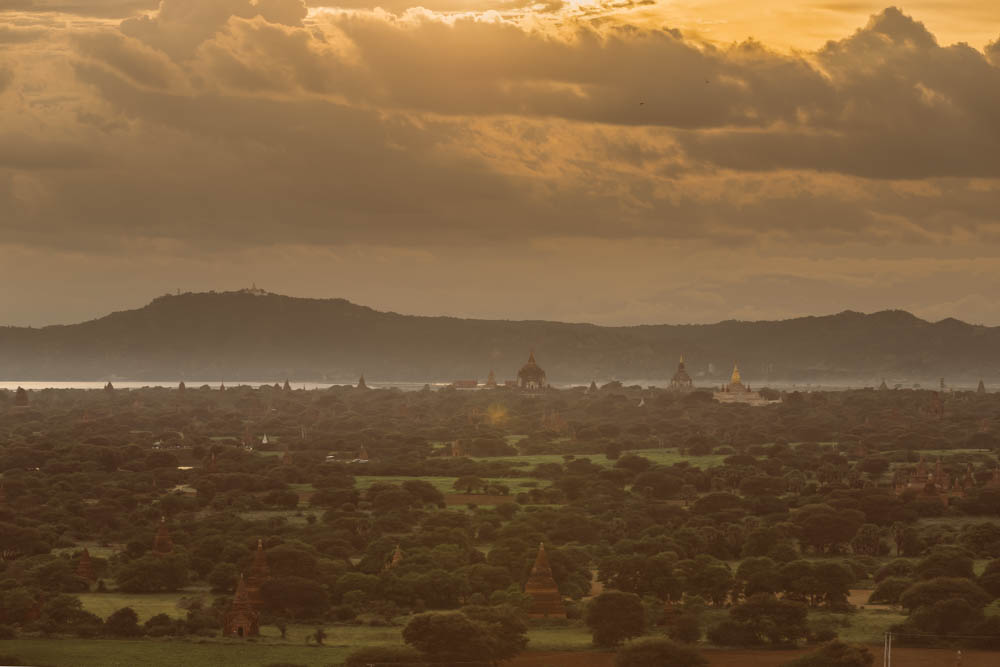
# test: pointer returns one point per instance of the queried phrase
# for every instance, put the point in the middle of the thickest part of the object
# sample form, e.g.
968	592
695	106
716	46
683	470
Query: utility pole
887	650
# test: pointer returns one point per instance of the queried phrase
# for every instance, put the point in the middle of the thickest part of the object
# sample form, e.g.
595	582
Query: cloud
545	159
181	25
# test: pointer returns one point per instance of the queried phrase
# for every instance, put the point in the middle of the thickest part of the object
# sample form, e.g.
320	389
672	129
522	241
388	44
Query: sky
611	161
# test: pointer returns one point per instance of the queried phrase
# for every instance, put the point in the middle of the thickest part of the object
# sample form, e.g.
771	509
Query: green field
666	457
146	605
865	627
444	484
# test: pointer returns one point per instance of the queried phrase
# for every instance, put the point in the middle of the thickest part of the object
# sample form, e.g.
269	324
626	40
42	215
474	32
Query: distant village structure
737	392
681	381
531	375
938	484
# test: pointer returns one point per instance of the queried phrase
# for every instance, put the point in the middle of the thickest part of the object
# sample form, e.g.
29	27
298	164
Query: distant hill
253	336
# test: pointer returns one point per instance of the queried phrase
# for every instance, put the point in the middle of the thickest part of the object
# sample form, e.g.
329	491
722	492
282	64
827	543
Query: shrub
835	654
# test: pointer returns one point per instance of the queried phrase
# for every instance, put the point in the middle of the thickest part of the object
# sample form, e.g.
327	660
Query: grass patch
444	484
146	605
664	457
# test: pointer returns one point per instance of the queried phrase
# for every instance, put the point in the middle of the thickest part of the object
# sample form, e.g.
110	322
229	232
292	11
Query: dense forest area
662	514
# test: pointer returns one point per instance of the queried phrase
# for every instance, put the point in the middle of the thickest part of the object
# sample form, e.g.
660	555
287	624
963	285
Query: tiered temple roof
546	602
531	375
241	620
397	558
162	544
85	568
361	382
981	389
491	381
259	573
681	380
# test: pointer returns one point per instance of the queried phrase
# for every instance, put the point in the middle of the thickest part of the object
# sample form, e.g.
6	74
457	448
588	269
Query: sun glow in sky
615	161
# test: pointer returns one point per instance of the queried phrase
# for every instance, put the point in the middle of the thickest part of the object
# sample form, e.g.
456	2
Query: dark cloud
93	8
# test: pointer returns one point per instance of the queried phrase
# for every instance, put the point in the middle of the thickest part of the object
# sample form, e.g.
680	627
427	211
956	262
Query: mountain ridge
254	335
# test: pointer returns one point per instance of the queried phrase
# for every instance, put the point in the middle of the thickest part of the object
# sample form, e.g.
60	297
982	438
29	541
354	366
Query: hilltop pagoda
681	381
981	389
241	620
361	382
162	544
546	602
531	375
883	386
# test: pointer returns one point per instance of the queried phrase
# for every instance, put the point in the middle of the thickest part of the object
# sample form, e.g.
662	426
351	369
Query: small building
531	375
491	381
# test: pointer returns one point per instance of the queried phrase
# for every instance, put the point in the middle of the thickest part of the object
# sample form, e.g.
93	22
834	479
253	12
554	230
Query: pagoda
397	558
592	389
20	398
361	382
85	569
288	385
491	380
259	573
531	375
546	602
737	392
681	381
241	620
162	544
883	386
981	389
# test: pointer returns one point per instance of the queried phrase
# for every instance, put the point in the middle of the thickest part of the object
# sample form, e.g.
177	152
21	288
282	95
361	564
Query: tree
835	654
926	593
685	628
867	540
614	616
123	623
223	578
772	620
153	574
658	653
469	483
889	590
448	637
